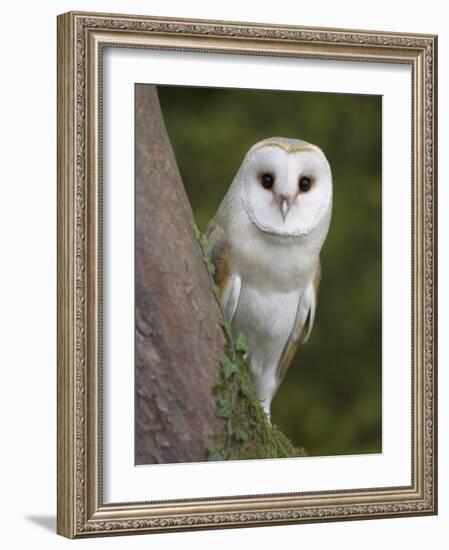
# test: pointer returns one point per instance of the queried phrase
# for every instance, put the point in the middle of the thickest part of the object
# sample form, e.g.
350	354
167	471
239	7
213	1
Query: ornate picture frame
82	40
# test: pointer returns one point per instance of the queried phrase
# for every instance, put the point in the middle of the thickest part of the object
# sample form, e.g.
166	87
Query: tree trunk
177	336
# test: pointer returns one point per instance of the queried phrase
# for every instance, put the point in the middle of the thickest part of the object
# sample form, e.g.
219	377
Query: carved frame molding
81	39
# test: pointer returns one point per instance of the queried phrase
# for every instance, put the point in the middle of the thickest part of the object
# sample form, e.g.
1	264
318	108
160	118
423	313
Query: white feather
230	296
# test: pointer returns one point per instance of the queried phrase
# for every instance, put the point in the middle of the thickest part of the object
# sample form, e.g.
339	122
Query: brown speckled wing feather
225	276
218	252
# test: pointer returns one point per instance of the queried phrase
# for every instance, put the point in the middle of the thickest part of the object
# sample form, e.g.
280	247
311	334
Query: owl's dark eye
305	184
267	181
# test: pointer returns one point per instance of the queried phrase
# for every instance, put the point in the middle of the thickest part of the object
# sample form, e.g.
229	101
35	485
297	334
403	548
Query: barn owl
265	242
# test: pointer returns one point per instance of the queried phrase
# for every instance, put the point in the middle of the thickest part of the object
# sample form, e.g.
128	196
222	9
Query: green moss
247	432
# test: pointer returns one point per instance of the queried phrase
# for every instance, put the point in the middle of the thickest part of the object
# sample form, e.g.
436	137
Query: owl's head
286	186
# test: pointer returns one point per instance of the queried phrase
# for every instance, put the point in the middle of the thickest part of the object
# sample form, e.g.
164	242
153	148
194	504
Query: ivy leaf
226	325
197	233
227	328
214	454
240	434
204	241
229	368
246	388
223	410
224	360
241	343
216	291
210	266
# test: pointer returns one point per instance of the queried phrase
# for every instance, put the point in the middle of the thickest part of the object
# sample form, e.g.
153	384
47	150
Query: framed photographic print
246	274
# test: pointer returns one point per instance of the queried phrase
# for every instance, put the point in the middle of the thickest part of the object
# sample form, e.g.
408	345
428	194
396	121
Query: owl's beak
284	205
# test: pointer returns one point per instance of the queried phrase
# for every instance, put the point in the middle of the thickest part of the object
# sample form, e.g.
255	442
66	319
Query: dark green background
330	400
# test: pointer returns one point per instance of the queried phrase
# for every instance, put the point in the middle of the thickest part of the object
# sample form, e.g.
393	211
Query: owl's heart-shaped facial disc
286	186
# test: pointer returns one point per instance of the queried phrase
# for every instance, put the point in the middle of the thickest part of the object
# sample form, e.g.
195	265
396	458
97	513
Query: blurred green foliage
330	400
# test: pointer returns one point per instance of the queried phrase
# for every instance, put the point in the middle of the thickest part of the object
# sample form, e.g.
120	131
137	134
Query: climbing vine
247	432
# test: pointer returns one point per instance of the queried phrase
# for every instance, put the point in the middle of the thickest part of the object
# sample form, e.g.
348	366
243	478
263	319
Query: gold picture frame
81	39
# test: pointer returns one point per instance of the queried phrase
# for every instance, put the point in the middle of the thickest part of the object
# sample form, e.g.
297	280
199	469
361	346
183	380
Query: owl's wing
225	276
305	316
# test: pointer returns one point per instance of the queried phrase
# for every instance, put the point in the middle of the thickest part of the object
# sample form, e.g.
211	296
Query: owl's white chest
273	275
272	263
267	320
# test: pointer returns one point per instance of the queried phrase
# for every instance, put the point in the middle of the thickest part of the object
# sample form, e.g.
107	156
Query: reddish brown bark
177	336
